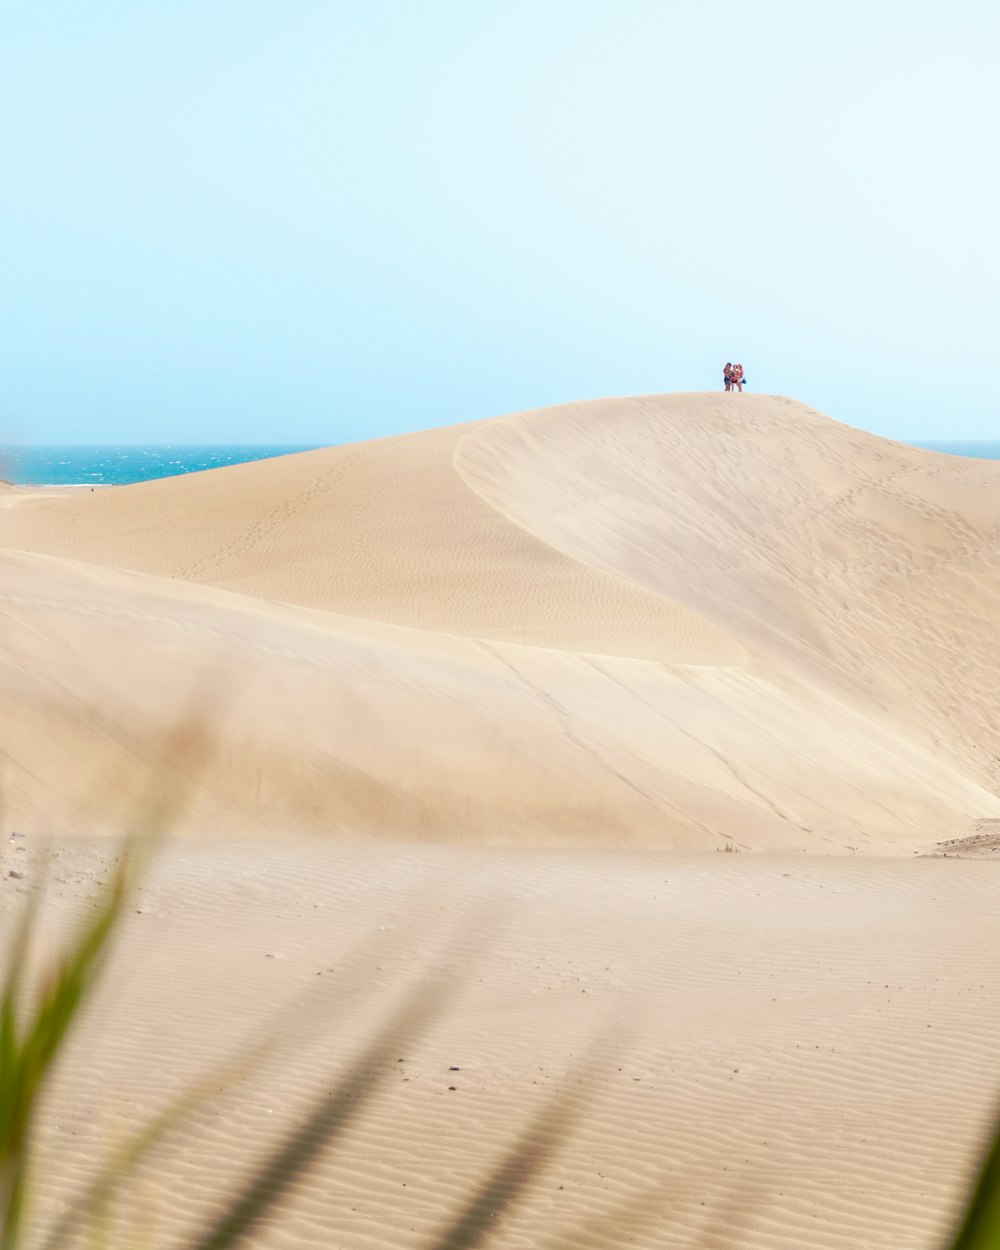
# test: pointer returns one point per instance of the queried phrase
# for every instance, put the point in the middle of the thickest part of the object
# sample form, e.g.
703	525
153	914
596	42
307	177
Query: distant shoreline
84	465
39	467
9	485
53	488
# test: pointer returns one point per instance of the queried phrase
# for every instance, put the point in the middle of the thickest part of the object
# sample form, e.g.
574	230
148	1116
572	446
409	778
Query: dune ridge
871	567
530	674
676	620
382	531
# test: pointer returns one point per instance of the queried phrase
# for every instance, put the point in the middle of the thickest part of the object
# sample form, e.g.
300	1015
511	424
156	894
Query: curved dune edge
320	723
867	567
384	531
592	543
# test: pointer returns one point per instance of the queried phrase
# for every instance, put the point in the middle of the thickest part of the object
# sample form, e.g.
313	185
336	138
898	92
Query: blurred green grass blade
504	1185
9	1034
66	992
980	1225
613	1226
99	1193
327	1120
28	1053
90	1207
13	1137
17	960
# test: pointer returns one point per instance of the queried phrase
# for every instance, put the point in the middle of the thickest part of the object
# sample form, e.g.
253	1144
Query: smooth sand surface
669	621
529	676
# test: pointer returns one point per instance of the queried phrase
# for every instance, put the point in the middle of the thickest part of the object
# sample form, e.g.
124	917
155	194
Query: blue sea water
978	448
118	466
80	465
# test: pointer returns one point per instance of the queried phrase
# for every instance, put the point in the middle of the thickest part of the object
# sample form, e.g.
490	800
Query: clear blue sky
320	220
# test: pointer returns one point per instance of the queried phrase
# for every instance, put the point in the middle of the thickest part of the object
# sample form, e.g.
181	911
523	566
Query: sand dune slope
335	725
870	567
672	621
387	531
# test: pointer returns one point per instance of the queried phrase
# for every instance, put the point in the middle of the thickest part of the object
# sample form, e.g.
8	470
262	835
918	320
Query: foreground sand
531	675
802	1049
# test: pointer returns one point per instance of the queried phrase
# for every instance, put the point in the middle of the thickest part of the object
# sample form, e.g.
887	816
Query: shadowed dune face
668	621
867	566
385	531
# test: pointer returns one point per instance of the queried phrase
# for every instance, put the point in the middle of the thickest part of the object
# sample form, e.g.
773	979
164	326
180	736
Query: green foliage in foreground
31	1038
980	1225
28	1052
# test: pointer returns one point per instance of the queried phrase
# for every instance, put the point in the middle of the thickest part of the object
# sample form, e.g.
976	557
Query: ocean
80	465
979	449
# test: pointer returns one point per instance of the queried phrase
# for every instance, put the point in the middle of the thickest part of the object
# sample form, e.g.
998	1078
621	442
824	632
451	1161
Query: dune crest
659	622
866	566
384	531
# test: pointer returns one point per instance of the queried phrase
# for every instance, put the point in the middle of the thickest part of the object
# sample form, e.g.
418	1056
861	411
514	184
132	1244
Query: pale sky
321	220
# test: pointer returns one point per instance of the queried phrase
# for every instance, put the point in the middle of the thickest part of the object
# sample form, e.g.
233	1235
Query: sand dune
870	567
669	621
346	727
533	673
384	531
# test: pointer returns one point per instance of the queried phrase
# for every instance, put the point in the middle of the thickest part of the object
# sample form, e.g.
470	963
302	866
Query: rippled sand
492	699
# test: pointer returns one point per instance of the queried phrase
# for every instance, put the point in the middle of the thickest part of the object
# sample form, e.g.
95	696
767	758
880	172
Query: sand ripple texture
672	621
762	1051
472	711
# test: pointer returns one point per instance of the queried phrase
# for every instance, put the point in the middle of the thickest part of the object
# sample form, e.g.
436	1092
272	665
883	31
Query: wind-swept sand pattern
798	1051
871	567
731	646
384	531
541	668
316	723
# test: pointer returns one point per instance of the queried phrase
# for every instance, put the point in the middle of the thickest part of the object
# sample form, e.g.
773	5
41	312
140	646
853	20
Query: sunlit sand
674	712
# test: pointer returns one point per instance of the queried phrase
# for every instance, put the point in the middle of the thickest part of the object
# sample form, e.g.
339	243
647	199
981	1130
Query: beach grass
29	1049
37	1014
979	1226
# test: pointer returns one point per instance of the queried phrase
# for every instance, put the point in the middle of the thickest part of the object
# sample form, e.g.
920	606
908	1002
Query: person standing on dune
738	377
727	375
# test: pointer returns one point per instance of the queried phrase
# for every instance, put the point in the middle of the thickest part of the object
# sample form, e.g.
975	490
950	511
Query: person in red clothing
738	377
